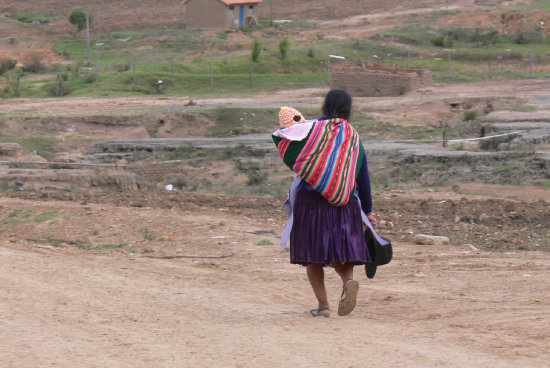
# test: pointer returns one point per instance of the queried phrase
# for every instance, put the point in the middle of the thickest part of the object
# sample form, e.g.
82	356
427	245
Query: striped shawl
328	159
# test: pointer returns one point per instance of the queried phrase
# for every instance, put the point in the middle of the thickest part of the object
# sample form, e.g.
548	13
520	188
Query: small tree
7	64
256	49
284	46
78	18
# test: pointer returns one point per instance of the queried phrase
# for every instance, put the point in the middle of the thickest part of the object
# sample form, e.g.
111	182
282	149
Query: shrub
121	67
525	38
62	90
256	177
78	18
256	49
88	77
7	64
32	62
442	41
492	144
284	46
470	115
485	39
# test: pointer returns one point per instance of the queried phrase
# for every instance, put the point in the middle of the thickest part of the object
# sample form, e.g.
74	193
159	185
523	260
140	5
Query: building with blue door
223	14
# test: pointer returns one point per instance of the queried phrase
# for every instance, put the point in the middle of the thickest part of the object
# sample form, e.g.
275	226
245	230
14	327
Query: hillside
152	14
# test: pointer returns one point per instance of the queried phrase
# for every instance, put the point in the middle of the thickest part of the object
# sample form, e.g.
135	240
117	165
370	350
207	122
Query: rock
472	247
431	239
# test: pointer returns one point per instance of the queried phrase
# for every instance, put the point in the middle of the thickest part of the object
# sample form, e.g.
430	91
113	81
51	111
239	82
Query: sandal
347	304
319	312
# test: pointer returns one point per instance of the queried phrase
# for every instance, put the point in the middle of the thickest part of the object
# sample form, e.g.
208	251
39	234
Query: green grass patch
44	145
265	242
537	5
15	213
37	18
111	246
23	217
16	222
46	216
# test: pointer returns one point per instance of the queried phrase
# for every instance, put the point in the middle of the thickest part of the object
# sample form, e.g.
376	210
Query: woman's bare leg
316	276
345	270
350	288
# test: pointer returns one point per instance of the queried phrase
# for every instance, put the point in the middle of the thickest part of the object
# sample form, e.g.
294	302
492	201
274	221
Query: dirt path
428	100
444	306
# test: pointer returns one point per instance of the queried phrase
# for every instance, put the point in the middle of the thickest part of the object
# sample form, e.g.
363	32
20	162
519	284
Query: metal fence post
211	74
57	84
173	74
328	70
97	44
444	140
449	63
250	72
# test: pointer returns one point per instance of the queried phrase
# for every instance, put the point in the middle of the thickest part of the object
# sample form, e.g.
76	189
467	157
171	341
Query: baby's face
297	119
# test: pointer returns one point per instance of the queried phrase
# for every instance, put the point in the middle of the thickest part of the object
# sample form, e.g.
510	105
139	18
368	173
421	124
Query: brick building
223	14
378	81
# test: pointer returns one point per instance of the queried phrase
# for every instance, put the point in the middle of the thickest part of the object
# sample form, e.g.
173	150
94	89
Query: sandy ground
151	304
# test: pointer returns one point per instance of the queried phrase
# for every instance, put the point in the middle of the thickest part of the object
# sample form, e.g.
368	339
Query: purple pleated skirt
325	234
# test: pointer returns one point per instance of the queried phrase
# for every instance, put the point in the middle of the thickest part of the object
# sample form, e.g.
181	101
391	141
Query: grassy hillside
507	40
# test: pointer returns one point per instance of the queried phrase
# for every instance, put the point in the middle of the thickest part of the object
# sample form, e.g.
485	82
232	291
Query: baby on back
294	126
289	116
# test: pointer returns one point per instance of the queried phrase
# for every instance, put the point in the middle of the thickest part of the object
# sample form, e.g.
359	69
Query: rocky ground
101	267
161	279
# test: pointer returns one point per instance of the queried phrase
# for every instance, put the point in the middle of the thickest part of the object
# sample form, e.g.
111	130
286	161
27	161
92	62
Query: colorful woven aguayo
328	159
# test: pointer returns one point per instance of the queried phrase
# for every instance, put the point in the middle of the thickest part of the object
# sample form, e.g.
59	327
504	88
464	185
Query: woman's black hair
337	104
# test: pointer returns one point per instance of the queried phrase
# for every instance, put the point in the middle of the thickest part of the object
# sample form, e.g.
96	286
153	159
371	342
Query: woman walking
327	227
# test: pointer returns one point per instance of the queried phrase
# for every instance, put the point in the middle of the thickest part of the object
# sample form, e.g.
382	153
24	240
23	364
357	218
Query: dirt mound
67	179
14	152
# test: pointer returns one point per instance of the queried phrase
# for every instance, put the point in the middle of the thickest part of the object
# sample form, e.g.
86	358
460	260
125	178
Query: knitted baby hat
289	116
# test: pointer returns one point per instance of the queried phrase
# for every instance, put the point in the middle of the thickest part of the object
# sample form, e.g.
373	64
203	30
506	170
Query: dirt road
147	305
427	105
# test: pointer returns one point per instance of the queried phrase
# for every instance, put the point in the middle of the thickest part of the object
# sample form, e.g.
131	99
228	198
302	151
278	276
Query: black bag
380	254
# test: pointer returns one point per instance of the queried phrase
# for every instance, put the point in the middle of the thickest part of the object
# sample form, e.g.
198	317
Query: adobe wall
377	81
207	14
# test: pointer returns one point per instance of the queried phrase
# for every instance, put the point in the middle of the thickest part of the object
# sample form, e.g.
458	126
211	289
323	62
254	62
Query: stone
431	239
472	247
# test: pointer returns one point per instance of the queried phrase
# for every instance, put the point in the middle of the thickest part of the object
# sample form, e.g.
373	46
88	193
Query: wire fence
445	65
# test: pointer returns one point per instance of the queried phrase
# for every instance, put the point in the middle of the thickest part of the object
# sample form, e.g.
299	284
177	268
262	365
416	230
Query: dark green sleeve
293	150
